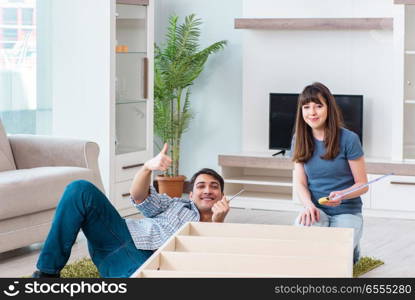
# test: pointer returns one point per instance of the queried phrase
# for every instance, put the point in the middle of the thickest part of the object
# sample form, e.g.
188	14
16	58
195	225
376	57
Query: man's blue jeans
354	221
83	206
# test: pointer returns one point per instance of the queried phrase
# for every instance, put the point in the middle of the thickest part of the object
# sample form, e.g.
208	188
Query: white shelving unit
133	89
104	94
409	90
260	180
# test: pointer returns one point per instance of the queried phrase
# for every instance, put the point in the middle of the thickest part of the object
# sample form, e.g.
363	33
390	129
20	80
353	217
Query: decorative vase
171	185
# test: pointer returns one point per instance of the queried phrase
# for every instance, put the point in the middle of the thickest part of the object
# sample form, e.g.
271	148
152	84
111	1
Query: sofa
34	171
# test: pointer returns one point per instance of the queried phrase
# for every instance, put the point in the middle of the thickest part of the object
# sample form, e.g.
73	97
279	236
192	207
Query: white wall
217	94
348	62
44	67
81	56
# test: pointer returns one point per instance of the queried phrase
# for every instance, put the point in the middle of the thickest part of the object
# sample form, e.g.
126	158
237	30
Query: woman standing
328	161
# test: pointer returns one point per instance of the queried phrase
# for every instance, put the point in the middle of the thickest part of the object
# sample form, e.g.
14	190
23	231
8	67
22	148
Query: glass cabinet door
131	81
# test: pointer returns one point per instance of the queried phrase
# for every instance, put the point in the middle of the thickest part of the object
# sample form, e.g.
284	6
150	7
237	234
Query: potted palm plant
177	65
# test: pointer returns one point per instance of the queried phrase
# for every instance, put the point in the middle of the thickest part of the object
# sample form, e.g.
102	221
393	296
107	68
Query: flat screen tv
282	117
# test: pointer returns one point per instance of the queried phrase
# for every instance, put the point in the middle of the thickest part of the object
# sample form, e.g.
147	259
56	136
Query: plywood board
315	23
274	247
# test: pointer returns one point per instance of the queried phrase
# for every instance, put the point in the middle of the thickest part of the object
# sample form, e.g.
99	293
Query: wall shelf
315	23
133	2
266	161
404	1
410	101
410	52
132	53
131	93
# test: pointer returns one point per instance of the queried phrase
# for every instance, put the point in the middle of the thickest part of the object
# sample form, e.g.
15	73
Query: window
9	38
9	15
10	34
21	110
27	16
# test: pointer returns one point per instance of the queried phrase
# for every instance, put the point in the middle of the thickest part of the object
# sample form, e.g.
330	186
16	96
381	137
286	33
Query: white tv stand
268	184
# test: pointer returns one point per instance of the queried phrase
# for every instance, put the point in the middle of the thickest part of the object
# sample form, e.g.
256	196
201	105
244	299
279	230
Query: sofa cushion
32	190
6	156
25	230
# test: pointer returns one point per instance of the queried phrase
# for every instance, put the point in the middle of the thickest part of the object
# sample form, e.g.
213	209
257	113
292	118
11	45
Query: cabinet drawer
395	193
122	195
126	166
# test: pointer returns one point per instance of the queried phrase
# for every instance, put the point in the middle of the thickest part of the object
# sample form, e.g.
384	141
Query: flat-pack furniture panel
182	274
280	266
259	246
252	250
268	231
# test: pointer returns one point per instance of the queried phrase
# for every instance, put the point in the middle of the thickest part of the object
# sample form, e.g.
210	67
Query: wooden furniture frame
247	250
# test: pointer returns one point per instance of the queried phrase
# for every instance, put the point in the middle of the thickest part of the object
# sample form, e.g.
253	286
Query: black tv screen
282	112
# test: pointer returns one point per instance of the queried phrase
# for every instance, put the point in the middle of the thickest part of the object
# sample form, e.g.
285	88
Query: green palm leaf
176	67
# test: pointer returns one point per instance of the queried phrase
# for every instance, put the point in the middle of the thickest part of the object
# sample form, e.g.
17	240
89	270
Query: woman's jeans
110	245
354	221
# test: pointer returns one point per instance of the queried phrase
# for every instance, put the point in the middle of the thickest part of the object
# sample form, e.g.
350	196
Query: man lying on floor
119	247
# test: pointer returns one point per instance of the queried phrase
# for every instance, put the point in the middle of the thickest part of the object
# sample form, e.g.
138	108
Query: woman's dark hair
210	172
304	143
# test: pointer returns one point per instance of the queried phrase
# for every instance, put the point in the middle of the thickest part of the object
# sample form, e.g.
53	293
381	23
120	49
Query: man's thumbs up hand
165	149
161	162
